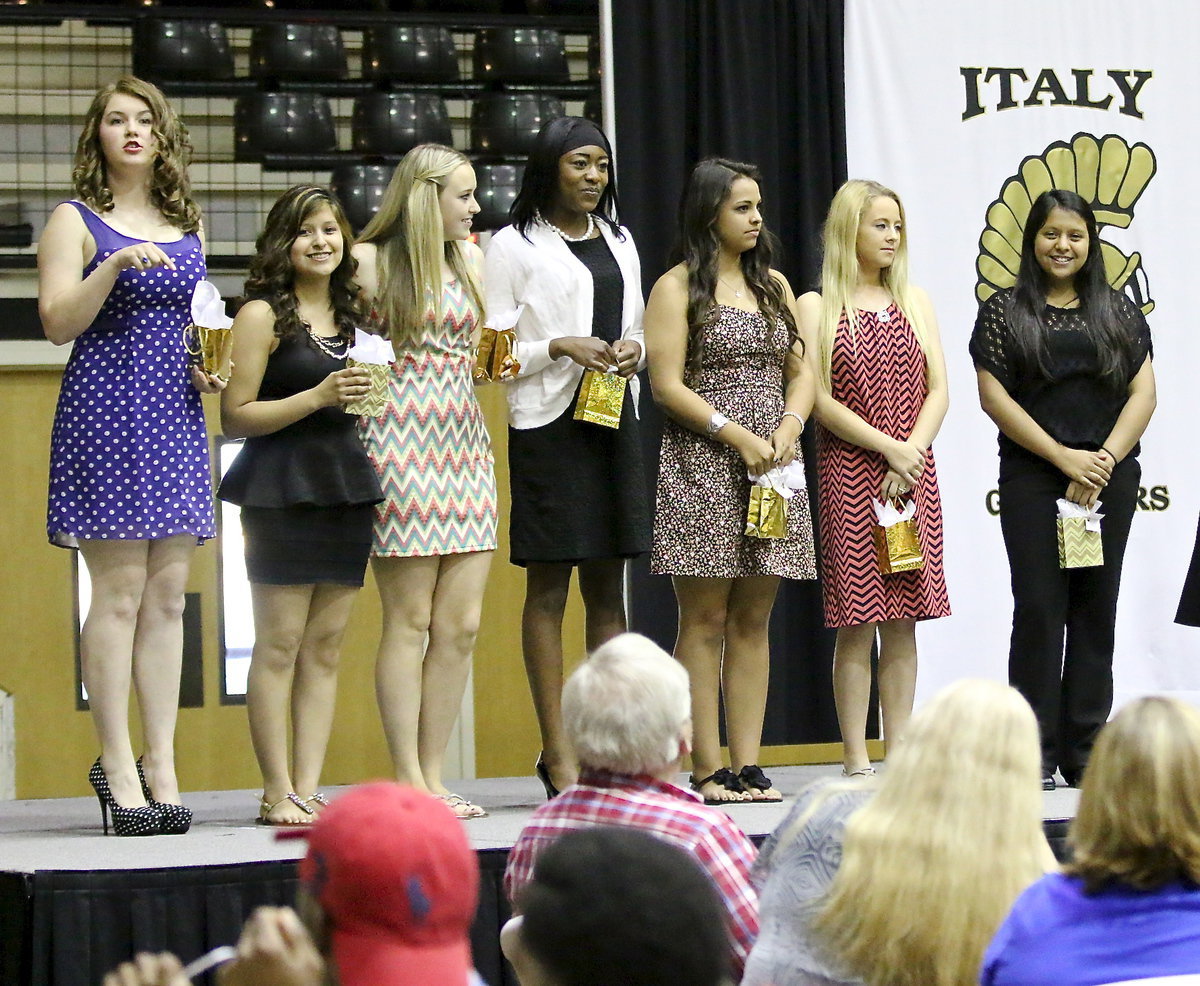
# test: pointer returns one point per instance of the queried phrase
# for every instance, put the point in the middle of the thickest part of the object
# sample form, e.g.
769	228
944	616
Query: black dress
579	489
306	491
1189	600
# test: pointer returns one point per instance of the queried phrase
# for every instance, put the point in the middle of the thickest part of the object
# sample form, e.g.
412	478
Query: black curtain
758	81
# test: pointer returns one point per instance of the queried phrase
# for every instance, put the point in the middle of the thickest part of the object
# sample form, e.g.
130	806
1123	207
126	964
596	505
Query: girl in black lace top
1064	370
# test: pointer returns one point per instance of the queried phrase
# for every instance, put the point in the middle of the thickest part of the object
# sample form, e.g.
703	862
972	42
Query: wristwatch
716	423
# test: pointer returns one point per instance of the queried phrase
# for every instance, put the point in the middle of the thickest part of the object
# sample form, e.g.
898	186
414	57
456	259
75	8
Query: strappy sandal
265	809
722	777
315	802
461	807
756	783
861	772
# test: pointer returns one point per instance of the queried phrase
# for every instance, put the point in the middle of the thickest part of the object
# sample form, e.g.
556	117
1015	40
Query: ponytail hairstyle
272	278
697	247
411	243
839	269
1097	300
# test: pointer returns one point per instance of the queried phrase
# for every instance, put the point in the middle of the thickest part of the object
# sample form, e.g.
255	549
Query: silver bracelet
716	423
793	414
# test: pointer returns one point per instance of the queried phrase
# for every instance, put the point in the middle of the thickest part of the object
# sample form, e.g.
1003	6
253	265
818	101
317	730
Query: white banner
969	111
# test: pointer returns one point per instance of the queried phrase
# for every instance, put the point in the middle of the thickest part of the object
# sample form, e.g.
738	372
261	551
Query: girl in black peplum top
304	483
1064	368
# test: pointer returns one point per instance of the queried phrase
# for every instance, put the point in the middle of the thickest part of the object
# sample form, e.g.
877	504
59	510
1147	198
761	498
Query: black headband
583	134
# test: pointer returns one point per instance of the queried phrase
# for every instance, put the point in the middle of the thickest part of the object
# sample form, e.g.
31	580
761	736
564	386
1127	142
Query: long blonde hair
1139	811
410	242
170	189
839	268
932	863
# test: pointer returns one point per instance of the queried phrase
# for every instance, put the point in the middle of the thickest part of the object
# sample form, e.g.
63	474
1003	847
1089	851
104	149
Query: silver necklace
591	228
736	292
335	351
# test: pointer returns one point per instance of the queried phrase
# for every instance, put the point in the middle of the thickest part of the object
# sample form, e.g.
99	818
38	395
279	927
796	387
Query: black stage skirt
578	490
307	545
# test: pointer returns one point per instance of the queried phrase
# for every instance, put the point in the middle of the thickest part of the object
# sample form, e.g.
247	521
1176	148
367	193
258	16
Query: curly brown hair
170	189
271	273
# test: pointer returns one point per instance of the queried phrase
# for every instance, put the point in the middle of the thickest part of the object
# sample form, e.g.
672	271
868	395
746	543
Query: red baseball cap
399	884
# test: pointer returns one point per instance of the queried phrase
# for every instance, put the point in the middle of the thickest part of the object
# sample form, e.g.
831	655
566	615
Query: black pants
1070	688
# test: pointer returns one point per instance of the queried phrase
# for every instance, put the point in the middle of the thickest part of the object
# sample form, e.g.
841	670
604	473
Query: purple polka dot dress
129	449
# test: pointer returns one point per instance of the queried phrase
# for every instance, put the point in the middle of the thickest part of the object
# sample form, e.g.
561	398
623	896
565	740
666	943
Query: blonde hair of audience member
1139	811
840	270
170	190
627	706
408	234
933	862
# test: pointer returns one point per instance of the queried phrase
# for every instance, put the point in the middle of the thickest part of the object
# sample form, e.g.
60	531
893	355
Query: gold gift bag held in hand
209	339
496	354
1079	541
600	398
897	543
767	513
374	354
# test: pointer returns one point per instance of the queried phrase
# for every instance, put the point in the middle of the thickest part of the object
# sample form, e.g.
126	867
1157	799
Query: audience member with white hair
901	881
627	713
1128	905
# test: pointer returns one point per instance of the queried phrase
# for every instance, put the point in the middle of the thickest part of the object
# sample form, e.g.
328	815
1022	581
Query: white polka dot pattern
129	451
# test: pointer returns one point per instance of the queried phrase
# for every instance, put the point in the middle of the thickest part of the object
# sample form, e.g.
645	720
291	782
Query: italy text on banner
969	111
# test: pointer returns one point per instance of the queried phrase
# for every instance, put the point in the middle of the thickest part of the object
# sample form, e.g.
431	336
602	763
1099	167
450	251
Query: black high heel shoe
543	775
126	821
176	819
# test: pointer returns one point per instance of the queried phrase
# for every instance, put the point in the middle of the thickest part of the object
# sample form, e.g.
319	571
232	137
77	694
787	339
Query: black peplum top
317	461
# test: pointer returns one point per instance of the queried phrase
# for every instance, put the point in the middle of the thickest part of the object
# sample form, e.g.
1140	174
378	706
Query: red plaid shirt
662	809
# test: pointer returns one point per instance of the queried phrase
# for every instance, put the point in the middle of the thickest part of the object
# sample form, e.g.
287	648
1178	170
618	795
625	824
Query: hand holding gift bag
375	355
209	339
897	543
766	516
1079	543
495	357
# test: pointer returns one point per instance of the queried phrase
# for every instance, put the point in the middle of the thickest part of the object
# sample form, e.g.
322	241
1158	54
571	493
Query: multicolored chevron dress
431	448
878	372
703	491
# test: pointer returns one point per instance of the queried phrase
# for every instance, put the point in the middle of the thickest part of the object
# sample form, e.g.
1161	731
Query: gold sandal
265	809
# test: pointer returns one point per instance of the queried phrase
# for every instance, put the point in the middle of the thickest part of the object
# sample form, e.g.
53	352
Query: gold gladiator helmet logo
1107	172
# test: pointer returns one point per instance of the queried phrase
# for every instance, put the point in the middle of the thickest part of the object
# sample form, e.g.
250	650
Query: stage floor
65	833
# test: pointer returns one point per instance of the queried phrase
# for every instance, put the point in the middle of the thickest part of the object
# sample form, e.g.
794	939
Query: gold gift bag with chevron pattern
600	398
1078	547
374	401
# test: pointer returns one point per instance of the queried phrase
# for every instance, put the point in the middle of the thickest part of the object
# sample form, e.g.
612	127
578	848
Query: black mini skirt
307	545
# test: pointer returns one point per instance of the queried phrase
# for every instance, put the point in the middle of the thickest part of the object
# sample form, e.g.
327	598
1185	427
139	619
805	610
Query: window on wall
237	618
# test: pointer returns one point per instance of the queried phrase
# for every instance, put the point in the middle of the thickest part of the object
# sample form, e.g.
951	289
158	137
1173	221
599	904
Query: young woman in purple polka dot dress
129	473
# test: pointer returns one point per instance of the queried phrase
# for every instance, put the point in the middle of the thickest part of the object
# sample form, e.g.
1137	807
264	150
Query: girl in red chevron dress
873	342
435	532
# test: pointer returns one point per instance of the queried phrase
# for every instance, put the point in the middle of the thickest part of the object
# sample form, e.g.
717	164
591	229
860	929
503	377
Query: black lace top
1073	403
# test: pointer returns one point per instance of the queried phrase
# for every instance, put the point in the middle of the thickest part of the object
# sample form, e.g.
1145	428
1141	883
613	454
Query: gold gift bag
766	517
600	398
495	346
210	349
1077	546
374	402
898	547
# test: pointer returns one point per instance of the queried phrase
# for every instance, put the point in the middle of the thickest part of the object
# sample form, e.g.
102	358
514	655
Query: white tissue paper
505	320
1091	515
787	480
887	515
370	348
208	310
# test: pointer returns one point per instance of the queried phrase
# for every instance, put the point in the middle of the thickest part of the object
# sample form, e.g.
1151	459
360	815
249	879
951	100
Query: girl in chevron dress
873	342
435	531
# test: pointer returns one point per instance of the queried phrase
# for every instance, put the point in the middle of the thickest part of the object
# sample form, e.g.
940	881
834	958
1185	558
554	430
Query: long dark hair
697	246
539	185
1097	300
271	274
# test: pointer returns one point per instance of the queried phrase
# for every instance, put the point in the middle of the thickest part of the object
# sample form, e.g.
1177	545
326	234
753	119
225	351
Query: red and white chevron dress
879	373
